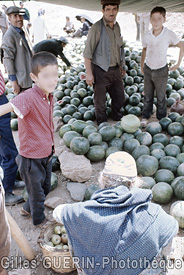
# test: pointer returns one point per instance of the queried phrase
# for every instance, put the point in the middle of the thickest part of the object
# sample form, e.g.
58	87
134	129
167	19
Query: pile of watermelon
158	150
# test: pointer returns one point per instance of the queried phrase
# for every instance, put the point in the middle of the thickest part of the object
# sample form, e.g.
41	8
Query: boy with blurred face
34	108
104	61
154	63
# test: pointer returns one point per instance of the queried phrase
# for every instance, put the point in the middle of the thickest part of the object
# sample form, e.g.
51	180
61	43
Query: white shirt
157	46
39	29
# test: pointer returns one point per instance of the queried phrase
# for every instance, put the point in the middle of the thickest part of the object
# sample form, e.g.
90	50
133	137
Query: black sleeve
63	57
61	54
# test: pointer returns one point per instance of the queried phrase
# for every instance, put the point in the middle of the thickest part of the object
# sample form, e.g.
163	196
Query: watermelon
116	142
54	181
55	163
88	115
137	132
147	165
89	129
172	150
180	170
156	145
107	133
177	211
164	122
79	145
126	136
173	183
75	101
66	118
130	123
119	131
130	145
161	138
135	110
14	124
96	153
72	120
164	175
169	163
64	129
77	115
95	139
173	116
180	157
82	92
144	138
134	100
158	153
104	145
140	150
162	192
103	124
177	141
58	113
68	136
175	129
154	128
78	126
179	189
71	109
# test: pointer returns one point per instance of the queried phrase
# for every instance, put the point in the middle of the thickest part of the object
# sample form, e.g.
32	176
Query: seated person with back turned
54	46
119	230
84	30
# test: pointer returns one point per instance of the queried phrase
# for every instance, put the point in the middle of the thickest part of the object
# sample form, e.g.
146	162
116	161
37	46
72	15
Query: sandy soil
55	20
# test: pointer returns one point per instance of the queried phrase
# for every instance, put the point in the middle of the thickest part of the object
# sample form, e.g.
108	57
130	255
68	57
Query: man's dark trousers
155	80
111	82
8	150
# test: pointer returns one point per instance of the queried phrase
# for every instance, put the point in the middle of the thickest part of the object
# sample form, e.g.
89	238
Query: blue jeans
8	150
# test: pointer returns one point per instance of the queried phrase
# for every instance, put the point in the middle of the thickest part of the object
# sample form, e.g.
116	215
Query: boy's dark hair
41	60
161	10
112	4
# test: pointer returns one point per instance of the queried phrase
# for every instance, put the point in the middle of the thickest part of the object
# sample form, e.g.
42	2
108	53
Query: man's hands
16	87
89	79
123	71
174	68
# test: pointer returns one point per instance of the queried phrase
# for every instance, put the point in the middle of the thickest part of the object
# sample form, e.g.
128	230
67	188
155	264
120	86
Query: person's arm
180	45
143	56
91	43
89	74
63	57
5	108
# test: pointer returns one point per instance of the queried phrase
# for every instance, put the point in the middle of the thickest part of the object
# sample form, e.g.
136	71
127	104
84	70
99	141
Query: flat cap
114	2
15	10
63	39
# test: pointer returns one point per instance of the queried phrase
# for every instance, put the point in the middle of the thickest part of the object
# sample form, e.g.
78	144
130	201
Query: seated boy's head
44	71
157	17
120	169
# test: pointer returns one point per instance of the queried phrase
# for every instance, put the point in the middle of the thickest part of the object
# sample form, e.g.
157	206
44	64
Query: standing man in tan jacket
17	54
104	61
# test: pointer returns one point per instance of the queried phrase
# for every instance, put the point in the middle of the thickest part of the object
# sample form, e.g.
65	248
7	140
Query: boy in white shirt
154	63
